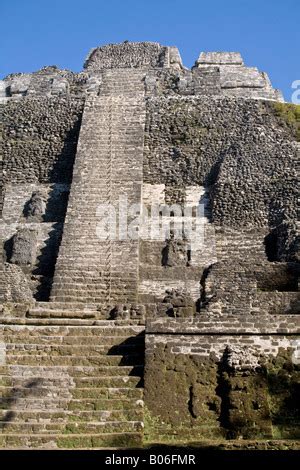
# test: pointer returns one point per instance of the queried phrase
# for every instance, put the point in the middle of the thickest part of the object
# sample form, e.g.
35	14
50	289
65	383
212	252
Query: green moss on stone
190	398
181	399
69	442
290	114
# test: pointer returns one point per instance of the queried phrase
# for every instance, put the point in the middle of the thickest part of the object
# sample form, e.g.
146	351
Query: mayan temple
149	338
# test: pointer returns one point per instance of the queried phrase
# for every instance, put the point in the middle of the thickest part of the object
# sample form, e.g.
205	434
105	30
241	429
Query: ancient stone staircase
71	386
108	165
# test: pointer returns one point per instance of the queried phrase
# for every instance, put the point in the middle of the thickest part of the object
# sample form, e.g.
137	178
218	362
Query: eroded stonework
125	340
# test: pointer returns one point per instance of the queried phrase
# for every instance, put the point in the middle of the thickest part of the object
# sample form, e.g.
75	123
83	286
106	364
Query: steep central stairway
71	386
108	166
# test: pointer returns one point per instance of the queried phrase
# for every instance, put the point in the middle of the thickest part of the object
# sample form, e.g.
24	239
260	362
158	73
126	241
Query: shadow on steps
12	398
132	351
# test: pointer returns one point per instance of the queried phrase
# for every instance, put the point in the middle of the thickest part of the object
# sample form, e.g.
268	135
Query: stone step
89	267
83	293
132	85
26	373
68	298
98	107
121	91
95	242
124	138
63	405
100	359
58	393
116	400
98	294
42	385
81	296
62	306
65	321
127	84
63	441
38	313
40	416
111	74
133	76
96	275
11	386
23	342
93	277
99	285
71	428
53	350
109	328
104	104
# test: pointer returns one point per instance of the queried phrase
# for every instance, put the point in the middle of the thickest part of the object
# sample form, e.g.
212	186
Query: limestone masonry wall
126	55
236	147
38	146
224	385
39	139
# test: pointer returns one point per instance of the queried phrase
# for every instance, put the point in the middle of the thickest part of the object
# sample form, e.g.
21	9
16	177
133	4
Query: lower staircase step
65	441
40	416
71	428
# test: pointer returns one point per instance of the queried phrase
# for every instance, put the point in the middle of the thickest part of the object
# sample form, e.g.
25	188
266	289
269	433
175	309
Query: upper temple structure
149	279
214	73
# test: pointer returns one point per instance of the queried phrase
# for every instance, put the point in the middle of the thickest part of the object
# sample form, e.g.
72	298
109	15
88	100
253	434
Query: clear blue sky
35	33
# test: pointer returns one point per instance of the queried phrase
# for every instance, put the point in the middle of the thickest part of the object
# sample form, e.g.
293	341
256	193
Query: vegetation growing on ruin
290	114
